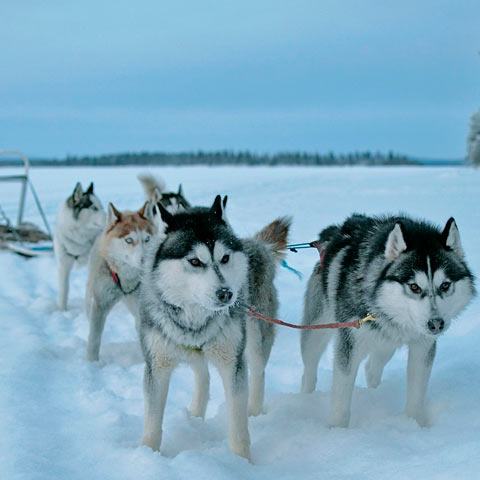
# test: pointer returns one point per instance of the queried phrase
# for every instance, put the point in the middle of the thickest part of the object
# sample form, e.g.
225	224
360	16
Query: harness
322	249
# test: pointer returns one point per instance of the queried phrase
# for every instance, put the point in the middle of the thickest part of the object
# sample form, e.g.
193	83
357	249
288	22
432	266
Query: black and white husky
80	220
411	274
156	192
193	300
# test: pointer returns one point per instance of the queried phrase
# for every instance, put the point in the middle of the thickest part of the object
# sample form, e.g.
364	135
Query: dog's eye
195	262
147	239
415	288
129	240
225	259
445	286
94	208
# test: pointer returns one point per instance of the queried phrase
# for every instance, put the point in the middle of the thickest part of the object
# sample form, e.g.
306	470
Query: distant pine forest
225	157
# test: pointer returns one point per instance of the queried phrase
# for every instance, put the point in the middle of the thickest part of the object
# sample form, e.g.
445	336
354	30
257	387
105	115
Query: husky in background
80	220
411	274
155	192
114	269
195	291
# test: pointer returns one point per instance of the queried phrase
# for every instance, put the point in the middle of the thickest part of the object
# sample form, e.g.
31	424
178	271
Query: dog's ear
156	196
150	211
113	215
180	190
217	209
451	237
77	192
141	212
90	189
396	242
167	217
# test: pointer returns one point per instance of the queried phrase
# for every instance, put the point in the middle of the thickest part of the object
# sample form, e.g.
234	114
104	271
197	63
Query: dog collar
192	348
116	279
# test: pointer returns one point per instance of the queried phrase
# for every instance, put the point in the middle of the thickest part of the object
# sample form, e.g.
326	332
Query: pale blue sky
95	77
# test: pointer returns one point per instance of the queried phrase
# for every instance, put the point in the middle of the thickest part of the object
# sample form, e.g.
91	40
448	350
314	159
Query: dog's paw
308	384
242	449
255	410
338	420
197	410
153	441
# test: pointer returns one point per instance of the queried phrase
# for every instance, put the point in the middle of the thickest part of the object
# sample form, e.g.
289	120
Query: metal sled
25	238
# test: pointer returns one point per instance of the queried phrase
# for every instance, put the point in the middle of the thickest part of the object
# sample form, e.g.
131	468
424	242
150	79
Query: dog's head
201	261
425	282
86	207
127	236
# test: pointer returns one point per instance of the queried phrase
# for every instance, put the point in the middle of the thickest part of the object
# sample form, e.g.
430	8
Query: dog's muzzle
224	295
436	325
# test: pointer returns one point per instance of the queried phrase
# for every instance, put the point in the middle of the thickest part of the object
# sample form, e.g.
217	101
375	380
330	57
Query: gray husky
79	222
409	273
193	303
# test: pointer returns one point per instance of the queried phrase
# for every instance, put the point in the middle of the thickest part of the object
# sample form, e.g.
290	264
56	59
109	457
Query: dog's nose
436	325
224	295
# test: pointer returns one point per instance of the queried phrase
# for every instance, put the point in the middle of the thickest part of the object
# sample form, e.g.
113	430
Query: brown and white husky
114	269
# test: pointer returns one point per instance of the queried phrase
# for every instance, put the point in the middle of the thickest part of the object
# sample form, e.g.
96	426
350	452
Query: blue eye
129	240
147	239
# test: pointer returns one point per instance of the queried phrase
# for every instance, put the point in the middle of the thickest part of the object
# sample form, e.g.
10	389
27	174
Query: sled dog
155	192
411	275
114	269
195	291
80	220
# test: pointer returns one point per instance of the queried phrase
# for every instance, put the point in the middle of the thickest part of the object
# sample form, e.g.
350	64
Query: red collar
114	276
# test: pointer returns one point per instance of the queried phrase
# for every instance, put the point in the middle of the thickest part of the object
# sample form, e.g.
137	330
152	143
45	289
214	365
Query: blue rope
293	270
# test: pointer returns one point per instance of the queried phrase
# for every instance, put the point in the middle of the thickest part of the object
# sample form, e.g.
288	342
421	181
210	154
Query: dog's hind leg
347	360
313	344
202	385
259	345
420	360
231	366
375	364
64	267
97	311
156	380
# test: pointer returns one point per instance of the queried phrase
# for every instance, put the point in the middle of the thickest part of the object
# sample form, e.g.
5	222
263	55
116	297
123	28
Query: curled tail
153	186
275	234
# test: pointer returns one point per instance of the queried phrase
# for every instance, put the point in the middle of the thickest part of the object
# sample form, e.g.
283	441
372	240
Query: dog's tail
275	234
153	186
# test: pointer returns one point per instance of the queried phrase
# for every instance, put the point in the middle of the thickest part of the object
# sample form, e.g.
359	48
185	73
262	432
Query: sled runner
25	238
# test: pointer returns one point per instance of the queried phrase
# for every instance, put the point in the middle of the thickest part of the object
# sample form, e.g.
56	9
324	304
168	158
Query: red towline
371	317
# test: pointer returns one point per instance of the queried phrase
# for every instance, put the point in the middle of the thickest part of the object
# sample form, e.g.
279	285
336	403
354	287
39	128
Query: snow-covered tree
473	139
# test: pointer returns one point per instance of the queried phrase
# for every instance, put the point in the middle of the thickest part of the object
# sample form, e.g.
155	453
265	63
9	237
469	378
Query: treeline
227	157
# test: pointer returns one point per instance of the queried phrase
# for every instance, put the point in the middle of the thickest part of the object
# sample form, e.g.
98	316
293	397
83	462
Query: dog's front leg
420	360
259	346
64	267
230	363
202	386
345	368
156	380
97	311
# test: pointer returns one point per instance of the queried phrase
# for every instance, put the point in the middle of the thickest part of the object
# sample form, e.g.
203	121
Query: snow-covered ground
64	418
